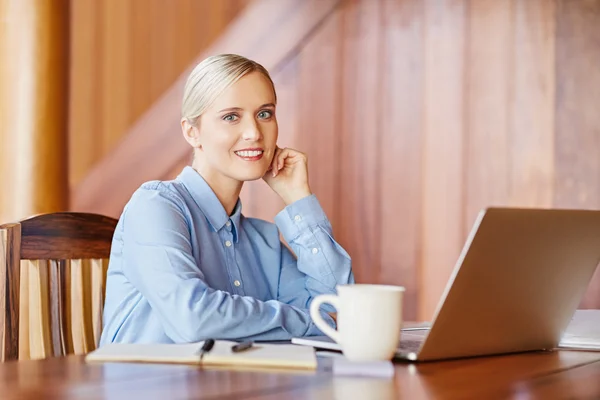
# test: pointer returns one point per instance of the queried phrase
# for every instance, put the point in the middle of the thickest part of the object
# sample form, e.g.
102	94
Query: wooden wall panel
577	165
34	76
414	114
442	151
318	120
153	145
116	71
401	140
144	81
531	104
86	78
125	54
359	226
488	74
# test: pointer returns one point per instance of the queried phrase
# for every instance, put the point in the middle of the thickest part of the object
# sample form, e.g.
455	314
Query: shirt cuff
299	216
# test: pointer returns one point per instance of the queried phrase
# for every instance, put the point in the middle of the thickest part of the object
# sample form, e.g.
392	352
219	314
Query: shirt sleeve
321	263
158	261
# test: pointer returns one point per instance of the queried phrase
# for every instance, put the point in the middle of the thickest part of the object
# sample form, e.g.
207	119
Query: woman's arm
321	262
158	261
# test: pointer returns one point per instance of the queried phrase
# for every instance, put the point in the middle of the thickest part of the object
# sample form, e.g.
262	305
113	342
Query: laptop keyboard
410	342
410	345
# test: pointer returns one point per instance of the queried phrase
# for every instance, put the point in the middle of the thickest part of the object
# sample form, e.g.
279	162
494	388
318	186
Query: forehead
251	90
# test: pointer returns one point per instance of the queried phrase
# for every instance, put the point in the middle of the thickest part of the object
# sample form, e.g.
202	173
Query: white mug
369	320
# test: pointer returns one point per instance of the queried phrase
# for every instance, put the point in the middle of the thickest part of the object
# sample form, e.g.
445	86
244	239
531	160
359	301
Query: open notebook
264	355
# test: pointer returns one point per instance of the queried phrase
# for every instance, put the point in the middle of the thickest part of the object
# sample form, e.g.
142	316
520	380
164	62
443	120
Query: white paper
583	332
260	355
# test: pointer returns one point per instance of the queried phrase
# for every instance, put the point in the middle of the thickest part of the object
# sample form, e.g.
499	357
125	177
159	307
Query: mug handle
315	314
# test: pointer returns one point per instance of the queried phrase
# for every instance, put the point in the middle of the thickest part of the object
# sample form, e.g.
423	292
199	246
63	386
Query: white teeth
245	153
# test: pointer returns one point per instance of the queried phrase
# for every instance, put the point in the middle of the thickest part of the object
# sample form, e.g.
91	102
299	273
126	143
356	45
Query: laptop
518	281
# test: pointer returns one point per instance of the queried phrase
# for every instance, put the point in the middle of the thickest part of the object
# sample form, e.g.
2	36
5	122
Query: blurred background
415	114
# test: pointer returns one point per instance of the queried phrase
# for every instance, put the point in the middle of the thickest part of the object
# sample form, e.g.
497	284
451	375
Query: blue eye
230	117
265	114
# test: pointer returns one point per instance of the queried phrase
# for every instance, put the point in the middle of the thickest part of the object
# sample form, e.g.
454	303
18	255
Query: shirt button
228	243
228	223
297	218
237	283
315	250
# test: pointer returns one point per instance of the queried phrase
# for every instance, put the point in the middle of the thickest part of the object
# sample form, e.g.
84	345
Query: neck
227	190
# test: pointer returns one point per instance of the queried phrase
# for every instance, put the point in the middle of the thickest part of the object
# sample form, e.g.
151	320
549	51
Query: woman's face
237	135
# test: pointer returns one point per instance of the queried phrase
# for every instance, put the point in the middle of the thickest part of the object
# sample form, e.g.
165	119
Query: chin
249	176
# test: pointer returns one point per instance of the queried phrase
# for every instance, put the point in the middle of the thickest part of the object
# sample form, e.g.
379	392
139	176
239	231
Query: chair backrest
52	280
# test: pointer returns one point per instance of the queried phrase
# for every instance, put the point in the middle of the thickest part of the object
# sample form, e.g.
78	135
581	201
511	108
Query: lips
250	154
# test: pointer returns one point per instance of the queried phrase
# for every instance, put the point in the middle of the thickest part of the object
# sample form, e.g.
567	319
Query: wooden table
561	374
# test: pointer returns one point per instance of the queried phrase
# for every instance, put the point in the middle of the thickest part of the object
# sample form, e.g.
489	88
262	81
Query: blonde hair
213	76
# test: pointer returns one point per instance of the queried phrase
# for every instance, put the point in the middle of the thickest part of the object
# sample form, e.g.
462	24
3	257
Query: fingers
280	157
278	160
274	163
283	154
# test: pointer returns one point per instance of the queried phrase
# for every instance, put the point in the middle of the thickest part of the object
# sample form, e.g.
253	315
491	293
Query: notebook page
260	355
134	352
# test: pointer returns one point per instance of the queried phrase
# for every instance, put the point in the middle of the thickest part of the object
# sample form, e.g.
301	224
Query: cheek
271	132
222	141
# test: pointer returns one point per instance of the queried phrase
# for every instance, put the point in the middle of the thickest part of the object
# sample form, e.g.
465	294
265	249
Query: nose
252	131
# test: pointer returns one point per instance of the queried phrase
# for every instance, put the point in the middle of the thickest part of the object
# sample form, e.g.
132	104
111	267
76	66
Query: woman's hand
288	175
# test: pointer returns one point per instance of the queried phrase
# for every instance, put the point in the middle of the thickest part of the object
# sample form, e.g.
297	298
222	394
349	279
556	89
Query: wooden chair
52	280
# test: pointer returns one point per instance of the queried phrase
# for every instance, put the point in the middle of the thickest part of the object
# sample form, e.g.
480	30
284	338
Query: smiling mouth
249	155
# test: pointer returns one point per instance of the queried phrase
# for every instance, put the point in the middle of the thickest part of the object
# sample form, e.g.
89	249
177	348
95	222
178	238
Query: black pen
241	346
206	347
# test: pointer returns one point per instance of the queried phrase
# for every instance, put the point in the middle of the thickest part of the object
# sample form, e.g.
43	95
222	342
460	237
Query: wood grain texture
533	375
40	328
124	56
10	244
79	305
531	104
318	127
414	116
115	74
86	122
56	289
34	55
401	147
156	132
488	75
67	236
577	141
442	148
360	164
22	344
576	383
97	285
145	81
4	266
50	306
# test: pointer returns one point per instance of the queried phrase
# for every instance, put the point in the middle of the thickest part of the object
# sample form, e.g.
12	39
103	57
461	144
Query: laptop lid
518	280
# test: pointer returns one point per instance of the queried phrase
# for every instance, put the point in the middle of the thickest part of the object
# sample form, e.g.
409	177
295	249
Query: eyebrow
268	105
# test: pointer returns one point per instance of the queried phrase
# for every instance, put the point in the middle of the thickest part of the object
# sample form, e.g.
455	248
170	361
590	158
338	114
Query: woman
186	265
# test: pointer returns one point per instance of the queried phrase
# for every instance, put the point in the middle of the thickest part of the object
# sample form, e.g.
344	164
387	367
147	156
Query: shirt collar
208	202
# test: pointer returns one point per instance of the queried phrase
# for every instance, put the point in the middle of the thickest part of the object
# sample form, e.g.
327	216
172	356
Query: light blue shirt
182	270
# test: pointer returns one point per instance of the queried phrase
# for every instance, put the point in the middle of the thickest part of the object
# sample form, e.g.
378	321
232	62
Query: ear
191	133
